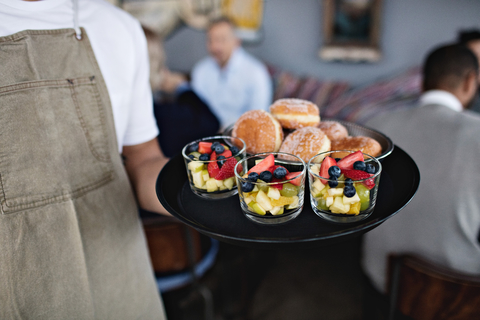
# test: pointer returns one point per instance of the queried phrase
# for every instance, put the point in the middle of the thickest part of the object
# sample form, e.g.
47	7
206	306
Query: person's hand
171	81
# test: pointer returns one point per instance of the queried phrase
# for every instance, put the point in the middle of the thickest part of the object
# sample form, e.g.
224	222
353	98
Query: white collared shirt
441	97
243	84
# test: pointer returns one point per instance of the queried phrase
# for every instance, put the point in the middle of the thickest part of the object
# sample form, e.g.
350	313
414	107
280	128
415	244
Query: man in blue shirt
230	80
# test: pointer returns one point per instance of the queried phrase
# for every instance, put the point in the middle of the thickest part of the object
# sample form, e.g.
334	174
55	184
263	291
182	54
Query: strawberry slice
347	162
326	164
360	175
212	167
296	181
226	154
227	170
279	186
205	147
264	165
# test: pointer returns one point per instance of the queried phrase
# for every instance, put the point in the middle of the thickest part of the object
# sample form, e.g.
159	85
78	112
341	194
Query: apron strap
75	20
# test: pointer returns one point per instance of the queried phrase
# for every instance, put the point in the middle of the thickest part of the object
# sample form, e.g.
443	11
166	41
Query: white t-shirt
120	48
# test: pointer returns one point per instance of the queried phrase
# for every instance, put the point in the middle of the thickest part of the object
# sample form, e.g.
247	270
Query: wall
292	37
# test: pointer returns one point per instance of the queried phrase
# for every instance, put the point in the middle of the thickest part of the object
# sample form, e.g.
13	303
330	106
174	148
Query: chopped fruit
253	176
360	175
282	201
227	169
294	204
266	176
219	183
195	154
193	148
263	165
370	168
234	150
363	192
273	193
205	175
348	161
289	190
317	188
211	185
349	191
338	206
326	164
229	183
257	208
279	172
291	175
276	211
226	154
219	149
205	147
354	208
264	201
333	182
364	205
322	204
279	186
335	192
329	201
351	200
197	179
315	168
195	166
213	168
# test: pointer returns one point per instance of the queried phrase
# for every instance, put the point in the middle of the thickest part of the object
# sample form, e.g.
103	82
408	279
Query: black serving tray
223	219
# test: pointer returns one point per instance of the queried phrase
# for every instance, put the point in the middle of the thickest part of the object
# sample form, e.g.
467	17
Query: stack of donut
293	126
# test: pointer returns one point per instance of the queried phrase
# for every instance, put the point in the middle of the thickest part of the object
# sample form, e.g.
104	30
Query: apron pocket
54	143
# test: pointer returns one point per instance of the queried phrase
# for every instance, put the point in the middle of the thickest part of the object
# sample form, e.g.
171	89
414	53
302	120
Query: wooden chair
422	290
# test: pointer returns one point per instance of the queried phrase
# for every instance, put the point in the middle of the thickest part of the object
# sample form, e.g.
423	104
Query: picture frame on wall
351	30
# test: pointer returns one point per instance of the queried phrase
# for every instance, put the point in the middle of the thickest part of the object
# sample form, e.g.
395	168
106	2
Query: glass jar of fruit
210	163
271	187
343	185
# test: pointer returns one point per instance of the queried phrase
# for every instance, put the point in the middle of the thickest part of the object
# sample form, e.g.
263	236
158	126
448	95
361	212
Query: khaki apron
71	243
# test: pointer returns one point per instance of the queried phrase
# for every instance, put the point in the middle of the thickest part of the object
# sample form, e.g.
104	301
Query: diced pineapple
211	185
197	179
263	200
273	193
255	207
351	200
329	201
282	201
196	166
276	211
315	169
255	189
205	175
355	208
338	206
294	204
229	183
247	200
333	192
317	188
219	183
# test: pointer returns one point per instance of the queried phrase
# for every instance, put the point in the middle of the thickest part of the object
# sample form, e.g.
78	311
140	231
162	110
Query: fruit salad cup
271	187
210	163
343	185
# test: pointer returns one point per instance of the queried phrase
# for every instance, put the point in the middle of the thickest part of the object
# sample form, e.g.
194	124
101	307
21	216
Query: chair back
422	290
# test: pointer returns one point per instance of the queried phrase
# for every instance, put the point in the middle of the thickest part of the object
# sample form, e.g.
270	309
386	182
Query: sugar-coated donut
306	142
260	131
365	144
333	129
295	113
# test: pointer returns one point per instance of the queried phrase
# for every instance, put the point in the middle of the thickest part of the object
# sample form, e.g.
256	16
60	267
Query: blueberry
370	168
221	160
214	145
266	176
280	173
349	191
247	186
333	182
204	157
337	159
191	156
234	150
348	182
193	148
219	148
334	172
359	165
252	176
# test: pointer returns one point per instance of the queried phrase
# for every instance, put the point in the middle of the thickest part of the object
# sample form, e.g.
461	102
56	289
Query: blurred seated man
231	80
181	115
442	221
471	39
